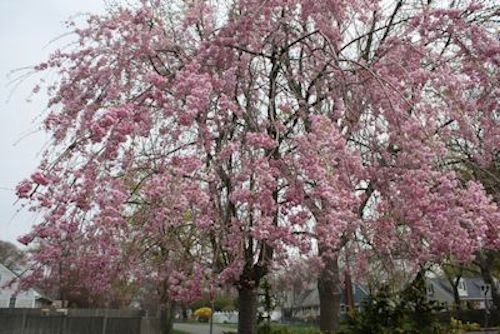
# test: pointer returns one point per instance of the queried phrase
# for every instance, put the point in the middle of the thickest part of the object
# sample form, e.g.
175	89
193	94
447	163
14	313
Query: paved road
205	329
201	328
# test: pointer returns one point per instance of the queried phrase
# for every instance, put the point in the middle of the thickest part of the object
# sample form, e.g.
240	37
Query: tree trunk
456	295
348	293
329	296
247	314
166	317
486	260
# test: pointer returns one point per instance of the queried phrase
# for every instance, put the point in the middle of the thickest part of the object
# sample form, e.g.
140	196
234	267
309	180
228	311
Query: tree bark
329	295
247	314
454	281
166	317
486	259
348	293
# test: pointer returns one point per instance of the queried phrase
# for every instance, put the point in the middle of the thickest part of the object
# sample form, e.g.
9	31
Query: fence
75	321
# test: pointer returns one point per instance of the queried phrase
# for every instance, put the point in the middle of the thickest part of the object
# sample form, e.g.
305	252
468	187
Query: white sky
26	29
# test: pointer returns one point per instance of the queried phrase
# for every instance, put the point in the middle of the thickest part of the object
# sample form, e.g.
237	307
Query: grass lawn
296	329
176	331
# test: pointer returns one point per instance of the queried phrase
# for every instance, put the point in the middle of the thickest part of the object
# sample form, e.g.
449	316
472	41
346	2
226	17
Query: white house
225	317
11	298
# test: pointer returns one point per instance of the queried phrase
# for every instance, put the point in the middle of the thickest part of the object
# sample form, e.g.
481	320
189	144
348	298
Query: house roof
4	269
311	298
441	290
474	289
15	276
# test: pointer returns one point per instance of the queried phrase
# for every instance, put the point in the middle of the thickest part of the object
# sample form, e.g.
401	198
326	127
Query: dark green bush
284	329
408	312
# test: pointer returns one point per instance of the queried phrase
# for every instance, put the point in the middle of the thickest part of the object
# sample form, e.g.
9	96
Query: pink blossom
24	189
40	178
260	140
192	151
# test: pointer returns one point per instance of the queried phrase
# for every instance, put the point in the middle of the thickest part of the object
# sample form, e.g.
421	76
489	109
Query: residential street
201	328
204	329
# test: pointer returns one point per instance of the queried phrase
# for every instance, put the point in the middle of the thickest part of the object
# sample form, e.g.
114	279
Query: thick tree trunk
166	314
329	296
348	293
247	313
486	260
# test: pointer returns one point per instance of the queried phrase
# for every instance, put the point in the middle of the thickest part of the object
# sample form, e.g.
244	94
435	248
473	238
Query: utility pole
212	311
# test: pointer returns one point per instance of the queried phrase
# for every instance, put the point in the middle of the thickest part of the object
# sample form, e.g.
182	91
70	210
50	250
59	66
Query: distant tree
11	256
471	165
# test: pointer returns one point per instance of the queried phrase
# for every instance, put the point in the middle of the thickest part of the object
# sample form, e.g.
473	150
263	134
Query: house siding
303	303
25	299
25	303
4	302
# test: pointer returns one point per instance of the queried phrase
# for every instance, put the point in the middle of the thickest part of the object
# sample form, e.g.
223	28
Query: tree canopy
200	143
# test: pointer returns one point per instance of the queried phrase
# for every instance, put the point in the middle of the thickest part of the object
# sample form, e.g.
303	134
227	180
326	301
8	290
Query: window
430	289
485	289
12	301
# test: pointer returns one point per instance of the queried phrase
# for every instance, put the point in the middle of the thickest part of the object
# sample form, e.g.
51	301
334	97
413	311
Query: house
225	317
473	292
303	304
11	298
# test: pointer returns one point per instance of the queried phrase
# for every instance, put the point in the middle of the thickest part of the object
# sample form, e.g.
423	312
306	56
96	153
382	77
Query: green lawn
295	329
287	328
176	331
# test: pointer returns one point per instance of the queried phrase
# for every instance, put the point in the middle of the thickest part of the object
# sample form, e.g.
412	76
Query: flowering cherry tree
200	144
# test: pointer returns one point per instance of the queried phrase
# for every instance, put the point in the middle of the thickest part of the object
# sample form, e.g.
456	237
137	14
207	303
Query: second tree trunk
247	314
329	296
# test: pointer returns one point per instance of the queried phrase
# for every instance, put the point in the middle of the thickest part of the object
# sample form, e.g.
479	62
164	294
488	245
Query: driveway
201	328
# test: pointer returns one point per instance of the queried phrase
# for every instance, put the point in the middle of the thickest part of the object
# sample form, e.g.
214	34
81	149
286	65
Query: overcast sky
26	29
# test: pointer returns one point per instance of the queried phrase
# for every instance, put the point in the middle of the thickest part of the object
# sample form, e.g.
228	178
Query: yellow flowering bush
203	314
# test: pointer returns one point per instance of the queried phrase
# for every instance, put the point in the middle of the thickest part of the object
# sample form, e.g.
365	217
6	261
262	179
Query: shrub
221	303
203	314
285	329
458	327
408	312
